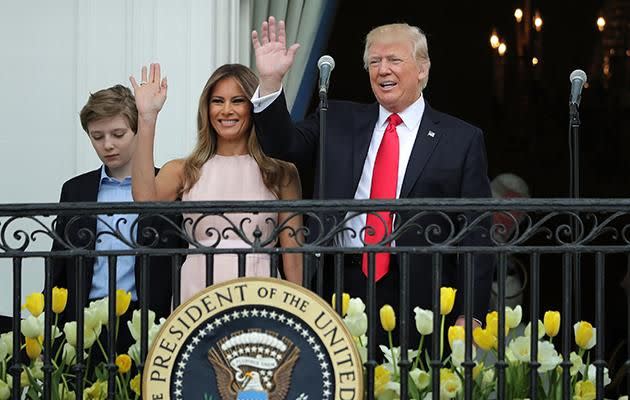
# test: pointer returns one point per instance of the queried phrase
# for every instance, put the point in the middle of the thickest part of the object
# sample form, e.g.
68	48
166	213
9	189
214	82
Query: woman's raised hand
150	93
273	59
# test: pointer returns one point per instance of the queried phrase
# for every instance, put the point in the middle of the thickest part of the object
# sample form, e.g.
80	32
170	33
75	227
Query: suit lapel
426	141
87	189
363	130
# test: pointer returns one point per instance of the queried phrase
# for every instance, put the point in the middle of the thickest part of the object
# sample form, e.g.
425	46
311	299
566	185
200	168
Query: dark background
524	114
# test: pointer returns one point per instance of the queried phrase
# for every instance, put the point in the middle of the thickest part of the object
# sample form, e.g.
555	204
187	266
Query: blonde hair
274	172
395	33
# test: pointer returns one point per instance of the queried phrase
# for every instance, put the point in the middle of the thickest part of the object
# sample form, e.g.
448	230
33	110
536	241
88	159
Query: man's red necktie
384	182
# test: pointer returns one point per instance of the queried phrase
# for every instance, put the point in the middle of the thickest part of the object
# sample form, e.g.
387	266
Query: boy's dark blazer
84	188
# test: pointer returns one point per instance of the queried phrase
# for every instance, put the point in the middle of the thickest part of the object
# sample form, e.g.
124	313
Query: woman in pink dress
226	164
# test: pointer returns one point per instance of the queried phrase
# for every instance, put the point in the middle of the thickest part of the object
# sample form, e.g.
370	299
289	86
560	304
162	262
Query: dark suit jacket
84	188
450	163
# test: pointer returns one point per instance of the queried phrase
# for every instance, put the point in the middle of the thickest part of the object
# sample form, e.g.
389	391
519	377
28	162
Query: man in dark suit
398	147
110	119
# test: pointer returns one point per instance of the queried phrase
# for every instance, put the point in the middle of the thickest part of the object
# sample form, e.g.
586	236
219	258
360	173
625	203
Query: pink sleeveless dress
226	178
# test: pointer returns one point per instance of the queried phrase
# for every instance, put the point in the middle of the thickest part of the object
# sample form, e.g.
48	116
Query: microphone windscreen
326	60
578	74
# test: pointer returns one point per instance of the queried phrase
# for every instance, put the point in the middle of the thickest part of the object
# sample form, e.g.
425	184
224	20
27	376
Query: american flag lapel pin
431	134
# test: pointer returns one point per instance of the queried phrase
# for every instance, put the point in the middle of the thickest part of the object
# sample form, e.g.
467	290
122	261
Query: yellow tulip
492	324
123	299
381	378
135	384
97	391
447	299
388	318
584	335
59	299
456	332
552	323
477	369
124	363
34	347
34	304
345	302
585	390
484	339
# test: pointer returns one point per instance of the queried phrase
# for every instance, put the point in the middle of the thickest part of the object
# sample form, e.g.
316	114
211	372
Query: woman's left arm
291	235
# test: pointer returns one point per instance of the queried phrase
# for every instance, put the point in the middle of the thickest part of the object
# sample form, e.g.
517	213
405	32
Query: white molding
82	55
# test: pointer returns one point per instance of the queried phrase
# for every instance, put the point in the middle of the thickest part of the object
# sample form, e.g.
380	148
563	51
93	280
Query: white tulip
592	375
411	354
134	328
7	340
3	350
89	335
459	351
488	376
99	310
541	329
578	364
420	378
69	354
391	391
134	352
520	348
424	321
356	323
548	357
513	316
5	391
355	306
135	325
32	327
363	354
509	355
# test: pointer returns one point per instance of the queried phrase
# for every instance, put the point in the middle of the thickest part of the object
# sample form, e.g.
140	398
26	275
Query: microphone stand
574	193
323	108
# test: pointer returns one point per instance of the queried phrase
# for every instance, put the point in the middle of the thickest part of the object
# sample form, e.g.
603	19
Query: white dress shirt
407	132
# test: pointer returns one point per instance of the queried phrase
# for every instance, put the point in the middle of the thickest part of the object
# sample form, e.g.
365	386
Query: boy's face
114	142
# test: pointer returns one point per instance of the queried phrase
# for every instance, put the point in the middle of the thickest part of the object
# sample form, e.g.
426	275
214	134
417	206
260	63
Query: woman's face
230	111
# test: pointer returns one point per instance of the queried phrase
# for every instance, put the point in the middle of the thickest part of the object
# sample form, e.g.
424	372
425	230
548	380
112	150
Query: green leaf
413	390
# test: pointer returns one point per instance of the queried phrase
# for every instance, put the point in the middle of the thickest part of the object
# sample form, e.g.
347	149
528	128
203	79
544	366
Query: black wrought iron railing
589	231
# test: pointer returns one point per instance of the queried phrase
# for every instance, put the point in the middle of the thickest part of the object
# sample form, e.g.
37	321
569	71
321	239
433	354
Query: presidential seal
254	339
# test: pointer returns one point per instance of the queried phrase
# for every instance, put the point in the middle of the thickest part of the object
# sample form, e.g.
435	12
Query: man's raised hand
273	59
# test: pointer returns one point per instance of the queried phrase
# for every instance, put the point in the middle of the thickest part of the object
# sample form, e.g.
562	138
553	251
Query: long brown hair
274	172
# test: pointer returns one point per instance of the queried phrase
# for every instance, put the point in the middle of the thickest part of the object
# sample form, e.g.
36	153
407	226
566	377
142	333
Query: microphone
325	65
577	79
